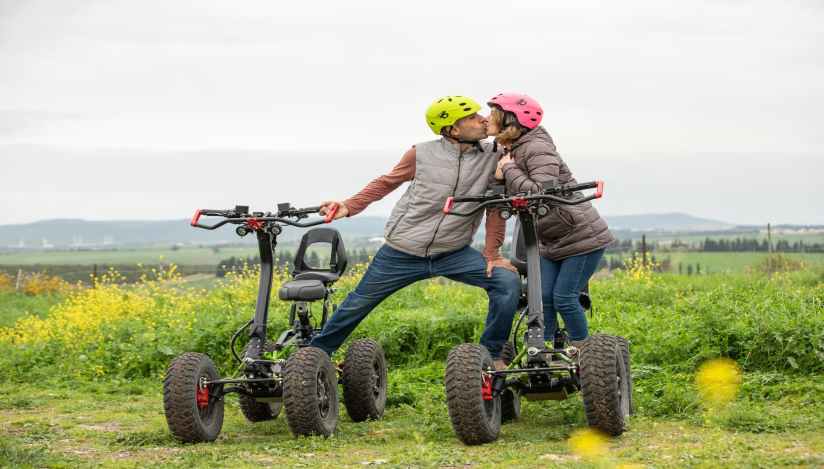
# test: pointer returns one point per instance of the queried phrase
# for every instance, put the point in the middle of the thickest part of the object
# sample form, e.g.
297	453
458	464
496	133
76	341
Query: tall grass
673	323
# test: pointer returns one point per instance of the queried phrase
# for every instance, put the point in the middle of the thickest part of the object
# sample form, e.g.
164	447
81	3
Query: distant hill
665	222
63	233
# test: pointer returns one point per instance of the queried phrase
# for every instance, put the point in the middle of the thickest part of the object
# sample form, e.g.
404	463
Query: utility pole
644	248
19	278
94	277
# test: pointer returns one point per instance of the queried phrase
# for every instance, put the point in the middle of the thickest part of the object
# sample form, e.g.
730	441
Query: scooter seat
325	277
302	290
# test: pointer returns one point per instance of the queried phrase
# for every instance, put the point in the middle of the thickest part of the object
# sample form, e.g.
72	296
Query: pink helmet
528	112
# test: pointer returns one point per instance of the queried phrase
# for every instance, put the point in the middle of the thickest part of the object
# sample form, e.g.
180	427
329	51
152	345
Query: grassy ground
82	387
121	424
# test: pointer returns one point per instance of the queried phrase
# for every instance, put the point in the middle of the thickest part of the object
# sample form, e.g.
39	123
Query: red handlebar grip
448	206
196	217
600	190
331	215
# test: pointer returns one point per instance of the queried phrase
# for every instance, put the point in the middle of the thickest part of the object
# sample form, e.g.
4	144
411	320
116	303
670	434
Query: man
421	241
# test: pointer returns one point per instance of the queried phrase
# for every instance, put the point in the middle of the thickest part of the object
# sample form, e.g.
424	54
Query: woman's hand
506	157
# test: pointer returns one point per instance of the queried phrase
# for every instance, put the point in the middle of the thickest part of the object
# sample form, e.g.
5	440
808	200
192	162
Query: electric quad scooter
480	397
286	373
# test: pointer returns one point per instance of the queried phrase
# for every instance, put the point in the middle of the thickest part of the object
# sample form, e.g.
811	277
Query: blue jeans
391	270
561	284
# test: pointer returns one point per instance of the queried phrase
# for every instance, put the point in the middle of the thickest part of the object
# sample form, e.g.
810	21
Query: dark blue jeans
391	270
561	283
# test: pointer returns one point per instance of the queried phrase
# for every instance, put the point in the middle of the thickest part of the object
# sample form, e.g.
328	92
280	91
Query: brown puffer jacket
568	230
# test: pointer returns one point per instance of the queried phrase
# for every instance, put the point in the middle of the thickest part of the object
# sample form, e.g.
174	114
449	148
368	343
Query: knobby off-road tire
604	384
253	410
624	345
510	399
187	420
475	420
310	393
364	380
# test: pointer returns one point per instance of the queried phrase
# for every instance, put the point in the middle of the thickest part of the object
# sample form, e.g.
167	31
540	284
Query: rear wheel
191	414
475	419
364	380
624	346
254	410
604	384
310	393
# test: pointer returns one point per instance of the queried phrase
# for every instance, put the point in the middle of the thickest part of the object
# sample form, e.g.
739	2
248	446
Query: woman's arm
543	163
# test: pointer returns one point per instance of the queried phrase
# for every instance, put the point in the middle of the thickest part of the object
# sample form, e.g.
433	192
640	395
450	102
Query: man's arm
379	188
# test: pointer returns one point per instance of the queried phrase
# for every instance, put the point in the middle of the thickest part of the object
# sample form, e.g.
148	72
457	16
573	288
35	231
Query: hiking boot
499	365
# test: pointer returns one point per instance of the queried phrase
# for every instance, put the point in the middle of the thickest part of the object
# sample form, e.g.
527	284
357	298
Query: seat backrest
337	262
517	255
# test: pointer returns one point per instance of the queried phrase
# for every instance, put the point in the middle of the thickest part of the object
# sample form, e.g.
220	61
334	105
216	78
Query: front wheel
364	380
475	415
191	414
604	384
310	393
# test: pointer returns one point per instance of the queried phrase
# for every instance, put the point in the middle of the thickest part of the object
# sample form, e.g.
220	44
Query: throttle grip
196	217
331	215
448	206
600	191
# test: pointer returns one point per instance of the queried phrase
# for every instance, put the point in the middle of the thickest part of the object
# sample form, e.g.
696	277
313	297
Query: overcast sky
119	109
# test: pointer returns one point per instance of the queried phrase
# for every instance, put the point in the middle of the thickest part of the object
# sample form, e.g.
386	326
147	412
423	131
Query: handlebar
490	200
255	219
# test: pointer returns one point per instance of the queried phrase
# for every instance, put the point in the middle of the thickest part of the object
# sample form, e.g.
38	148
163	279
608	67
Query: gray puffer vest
568	230
417	225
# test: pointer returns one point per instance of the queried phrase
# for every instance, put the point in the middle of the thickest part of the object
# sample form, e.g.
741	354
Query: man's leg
574	274
467	265
389	271
549	275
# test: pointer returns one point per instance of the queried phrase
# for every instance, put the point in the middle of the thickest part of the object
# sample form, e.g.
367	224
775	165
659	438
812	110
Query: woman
573	237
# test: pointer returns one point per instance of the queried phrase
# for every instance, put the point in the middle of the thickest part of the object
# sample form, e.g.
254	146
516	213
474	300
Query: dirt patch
100	427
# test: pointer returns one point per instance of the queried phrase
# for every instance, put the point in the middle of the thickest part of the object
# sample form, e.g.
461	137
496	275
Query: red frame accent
254	225
331	214
487	388
202	396
600	190
448	206
196	217
520	204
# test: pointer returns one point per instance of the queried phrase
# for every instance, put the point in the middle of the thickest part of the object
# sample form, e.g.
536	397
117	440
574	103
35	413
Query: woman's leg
549	275
575	272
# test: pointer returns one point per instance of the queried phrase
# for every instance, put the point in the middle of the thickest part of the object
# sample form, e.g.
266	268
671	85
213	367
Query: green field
82	386
732	262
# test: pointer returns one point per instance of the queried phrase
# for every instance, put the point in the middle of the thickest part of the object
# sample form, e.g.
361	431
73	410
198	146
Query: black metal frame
262	375
529	207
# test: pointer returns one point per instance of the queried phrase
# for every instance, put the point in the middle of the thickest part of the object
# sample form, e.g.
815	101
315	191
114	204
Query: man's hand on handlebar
499	263
326	206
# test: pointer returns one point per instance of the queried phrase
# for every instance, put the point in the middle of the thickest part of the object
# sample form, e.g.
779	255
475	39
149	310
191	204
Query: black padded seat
325	277
302	290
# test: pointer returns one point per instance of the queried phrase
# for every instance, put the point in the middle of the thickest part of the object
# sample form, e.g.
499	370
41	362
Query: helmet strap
474	143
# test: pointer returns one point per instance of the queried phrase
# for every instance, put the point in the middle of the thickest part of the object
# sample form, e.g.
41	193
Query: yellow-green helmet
445	111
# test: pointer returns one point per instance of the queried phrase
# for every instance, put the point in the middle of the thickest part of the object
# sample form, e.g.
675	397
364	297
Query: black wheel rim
377	383
324	388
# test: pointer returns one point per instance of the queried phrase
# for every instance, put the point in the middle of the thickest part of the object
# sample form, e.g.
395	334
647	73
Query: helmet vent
462	104
526	112
538	112
431	123
450	99
534	119
467	109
